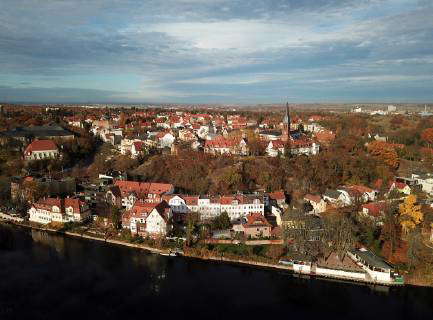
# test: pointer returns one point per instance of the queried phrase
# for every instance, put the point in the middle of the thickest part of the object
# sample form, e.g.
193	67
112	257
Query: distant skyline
220	51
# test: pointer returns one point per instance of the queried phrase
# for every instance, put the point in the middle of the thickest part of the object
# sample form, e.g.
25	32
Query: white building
377	269
49	210
40	150
392	108
424	180
148	219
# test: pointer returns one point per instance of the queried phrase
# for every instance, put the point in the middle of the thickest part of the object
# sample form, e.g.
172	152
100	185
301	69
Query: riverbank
212	257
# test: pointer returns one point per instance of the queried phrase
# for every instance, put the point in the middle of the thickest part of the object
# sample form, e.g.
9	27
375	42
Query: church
294	140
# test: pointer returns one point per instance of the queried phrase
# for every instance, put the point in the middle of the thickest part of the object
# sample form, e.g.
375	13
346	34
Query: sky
216	51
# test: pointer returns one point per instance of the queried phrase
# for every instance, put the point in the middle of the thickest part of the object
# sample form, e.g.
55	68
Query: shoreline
221	259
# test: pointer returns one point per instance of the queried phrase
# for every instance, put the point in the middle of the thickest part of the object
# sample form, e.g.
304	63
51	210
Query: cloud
187	50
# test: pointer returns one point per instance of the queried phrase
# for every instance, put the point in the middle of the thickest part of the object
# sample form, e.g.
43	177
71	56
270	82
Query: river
50	276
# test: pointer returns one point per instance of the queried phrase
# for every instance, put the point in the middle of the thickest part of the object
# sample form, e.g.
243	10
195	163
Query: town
342	193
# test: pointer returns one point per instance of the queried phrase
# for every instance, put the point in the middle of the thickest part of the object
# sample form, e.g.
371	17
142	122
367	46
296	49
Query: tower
286	125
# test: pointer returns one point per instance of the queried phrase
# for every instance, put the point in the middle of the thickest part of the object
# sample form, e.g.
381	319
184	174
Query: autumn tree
427	136
410	214
385	152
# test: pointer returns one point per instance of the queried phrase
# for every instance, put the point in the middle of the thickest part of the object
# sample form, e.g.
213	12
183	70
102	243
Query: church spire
286	119
286	125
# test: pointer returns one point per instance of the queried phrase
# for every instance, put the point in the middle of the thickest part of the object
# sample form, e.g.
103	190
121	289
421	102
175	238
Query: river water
48	276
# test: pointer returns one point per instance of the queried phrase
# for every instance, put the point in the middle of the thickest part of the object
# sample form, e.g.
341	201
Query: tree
391	227
385	152
115	217
192	220
221	222
427	136
339	234
410	214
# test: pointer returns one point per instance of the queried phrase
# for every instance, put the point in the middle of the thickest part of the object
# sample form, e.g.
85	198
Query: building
130	191
378	270
60	210
392	108
148	219
41	150
256	226
425	181
138	148
38	132
338	198
222	145
316	201
374	210
22	188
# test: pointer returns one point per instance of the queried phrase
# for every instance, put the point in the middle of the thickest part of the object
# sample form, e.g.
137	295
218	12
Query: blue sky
219	51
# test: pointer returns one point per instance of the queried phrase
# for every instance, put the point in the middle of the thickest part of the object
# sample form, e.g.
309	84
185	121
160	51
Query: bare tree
339	235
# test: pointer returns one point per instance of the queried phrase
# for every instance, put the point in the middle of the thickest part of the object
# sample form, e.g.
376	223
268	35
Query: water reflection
53	276
46	239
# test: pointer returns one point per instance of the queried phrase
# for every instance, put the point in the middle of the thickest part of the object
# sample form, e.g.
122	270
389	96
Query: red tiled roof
143	187
221	142
277	144
48	203
40	145
313	198
360	188
277	195
256	219
191	200
374	208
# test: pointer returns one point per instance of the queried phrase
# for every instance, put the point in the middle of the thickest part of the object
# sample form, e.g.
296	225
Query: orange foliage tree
427	136
385	152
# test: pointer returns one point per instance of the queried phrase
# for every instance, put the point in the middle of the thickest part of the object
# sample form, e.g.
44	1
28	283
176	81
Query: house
148	219
400	187
137	148
339	198
277	198
399	184
298	145
40	150
130	191
316	201
374	210
165	139
425	181
275	148
222	145
360	193
187	135
60	210
256	226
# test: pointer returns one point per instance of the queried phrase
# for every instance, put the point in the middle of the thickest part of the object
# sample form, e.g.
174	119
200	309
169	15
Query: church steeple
286	125
286	119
